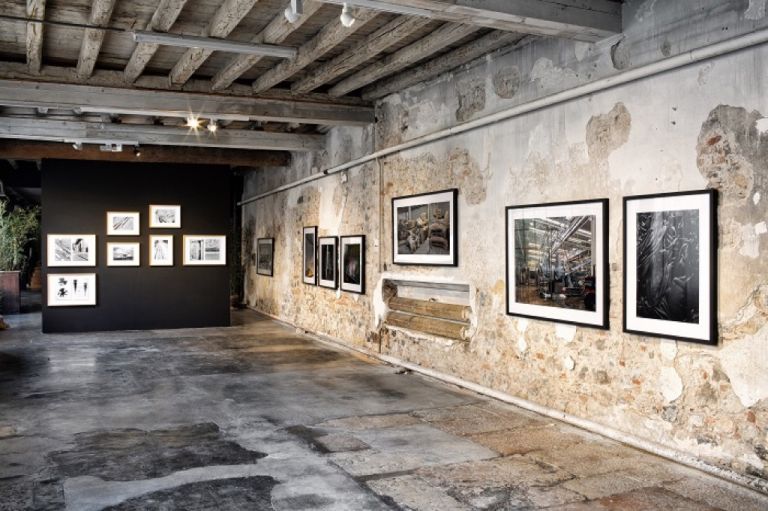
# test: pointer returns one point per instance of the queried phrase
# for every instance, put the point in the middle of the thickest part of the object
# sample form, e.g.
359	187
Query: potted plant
18	226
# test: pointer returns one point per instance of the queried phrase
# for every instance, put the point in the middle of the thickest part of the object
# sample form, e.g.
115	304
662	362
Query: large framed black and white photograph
352	272
557	262
328	250
205	250
265	252
71	250
424	229
309	255
71	289
670	265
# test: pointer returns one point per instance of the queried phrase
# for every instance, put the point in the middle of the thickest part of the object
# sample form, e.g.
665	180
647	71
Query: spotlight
294	11
137	151
193	122
77	146
346	16
212	126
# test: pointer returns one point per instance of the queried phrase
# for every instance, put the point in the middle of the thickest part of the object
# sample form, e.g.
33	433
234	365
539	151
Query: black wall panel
76	197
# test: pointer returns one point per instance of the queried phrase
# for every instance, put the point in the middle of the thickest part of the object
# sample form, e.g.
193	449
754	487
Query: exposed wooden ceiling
70	70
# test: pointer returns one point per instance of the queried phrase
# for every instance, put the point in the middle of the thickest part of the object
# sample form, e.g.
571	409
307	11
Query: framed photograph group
328	248
265	254
424	228
309	255
352	272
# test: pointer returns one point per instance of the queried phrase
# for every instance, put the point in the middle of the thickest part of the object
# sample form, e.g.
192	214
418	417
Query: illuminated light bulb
346	16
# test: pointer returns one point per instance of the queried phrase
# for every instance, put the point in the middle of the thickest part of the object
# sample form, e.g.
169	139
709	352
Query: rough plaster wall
700	126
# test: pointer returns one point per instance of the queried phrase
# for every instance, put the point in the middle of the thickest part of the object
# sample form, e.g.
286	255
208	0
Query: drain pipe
690	57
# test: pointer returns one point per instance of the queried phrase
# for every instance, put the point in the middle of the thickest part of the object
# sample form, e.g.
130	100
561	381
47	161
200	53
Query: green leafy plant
18	226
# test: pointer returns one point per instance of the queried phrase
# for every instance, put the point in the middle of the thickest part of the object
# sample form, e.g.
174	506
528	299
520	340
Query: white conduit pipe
707	52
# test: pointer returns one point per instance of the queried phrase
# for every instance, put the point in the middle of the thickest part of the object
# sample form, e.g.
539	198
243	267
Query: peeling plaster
668	350
671	384
645	10
756	10
568	363
762	125
521	344
756	198
550	76
565	332
750	242
522	325
746	364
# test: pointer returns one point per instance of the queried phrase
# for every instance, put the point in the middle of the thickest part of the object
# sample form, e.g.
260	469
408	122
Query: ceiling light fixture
213	126
137	151
77	146
193	122
381	5
111	148
346	16
294	11
209	43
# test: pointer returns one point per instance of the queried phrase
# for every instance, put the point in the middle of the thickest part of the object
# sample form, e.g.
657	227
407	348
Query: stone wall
699	126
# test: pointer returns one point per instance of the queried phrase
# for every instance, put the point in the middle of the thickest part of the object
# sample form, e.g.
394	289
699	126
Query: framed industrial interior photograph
557	262
123	254
161	250
123	223
71	250
352	271
164	217
670	265
71	289
328	262
205	250
309	256
424	229
265	254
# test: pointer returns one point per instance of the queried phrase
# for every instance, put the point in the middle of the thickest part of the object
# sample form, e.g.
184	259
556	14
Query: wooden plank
177	104
64	131
276	32
309	52
101	11
379	41
161	21
438	310
443	63
33	150
35	10
447	34
431	326
224	21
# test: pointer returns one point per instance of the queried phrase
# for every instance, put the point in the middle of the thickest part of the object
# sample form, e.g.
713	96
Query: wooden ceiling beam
224	21
35	10
388	35
444	36
276	32
101	12
162	20
309	52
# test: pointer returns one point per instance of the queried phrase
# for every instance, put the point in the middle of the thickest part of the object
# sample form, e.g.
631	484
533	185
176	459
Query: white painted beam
35	10
101	12
163	19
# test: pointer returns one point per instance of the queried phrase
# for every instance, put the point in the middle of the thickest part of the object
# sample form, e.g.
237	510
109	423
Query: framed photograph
71	250
328	248
352	254
205	250
670	265
71	289
161	250
123	254
309	256
165	217
424	229
557	262
265	253
123	223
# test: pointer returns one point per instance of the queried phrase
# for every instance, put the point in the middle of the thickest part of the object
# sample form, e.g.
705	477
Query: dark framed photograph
424	228
670	265
309	255
557	262
265	253
352	254
328	249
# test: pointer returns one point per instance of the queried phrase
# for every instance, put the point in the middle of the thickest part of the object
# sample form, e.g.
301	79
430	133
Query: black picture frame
662	232
347	285
569	295
267	244
414	238
309	277
328	261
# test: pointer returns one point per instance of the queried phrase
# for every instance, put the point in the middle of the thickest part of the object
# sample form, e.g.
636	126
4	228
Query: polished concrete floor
258	417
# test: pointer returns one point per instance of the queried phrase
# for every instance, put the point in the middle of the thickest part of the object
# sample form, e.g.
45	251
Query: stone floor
259	417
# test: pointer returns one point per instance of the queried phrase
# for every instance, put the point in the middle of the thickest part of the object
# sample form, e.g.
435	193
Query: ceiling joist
101	12
35	10
162	20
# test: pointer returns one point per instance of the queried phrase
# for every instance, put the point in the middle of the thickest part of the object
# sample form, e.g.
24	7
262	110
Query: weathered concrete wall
699	126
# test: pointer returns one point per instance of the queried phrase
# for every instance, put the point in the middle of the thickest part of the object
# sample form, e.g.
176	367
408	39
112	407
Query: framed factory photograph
123	254
670	265
205	250
557	262
164	217
352	272
309	256
265	254
328	250
424	229
71	289
123	223
71	250
161	250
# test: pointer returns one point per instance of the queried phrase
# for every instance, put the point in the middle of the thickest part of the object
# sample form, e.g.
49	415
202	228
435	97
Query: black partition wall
76	198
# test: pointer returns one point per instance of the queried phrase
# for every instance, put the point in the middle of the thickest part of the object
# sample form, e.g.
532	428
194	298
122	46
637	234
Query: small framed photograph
309	255
71	289
165	216
123	254
161	250
71	250
670	265
123	223
328	248
352	254
265	253
205	250
424	229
